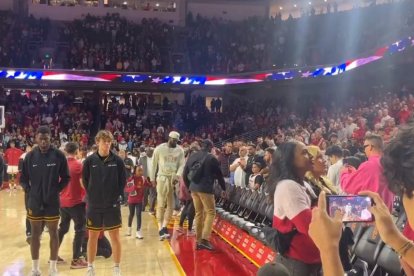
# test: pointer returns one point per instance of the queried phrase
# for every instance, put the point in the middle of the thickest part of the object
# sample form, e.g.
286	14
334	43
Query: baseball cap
174	135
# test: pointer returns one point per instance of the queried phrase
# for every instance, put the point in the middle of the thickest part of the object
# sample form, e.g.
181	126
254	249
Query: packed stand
219	46
17	36
113	43
24	112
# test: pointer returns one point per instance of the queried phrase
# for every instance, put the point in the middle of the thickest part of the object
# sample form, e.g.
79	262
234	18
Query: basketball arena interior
299	112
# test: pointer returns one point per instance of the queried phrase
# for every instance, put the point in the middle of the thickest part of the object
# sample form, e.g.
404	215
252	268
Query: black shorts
103	219
45	213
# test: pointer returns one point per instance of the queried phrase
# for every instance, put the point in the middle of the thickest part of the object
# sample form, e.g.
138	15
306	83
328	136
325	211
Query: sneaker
117	271
139	235
166	234
90	271
53	273
161	233
128	233
79	263
35	273
205	244
59	261
29	239
191	233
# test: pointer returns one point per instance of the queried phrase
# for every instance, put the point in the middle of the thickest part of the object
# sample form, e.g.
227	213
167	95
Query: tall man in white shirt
167	167
335	155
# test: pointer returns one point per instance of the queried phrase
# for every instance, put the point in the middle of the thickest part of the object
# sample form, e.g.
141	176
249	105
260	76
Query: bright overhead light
157	5
125	3
295	6
280	8
310	3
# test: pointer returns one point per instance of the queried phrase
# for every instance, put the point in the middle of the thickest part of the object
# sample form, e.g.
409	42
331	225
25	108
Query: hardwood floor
139	257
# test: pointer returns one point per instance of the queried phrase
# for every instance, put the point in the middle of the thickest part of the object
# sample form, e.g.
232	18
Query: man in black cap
200	171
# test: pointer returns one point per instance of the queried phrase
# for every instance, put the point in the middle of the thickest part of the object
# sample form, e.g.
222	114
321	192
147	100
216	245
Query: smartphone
354	208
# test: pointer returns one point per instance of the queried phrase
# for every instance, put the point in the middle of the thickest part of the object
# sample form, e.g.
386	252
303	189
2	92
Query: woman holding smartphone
398	164
292	208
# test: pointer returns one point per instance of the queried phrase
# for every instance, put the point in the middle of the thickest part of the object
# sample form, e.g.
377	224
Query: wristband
403	250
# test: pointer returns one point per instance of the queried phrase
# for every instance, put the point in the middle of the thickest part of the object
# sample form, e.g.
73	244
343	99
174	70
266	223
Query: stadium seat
357	229
389	262
369	246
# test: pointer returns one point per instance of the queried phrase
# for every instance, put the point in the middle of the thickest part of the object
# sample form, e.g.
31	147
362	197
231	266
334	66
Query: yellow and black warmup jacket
44	175
104	180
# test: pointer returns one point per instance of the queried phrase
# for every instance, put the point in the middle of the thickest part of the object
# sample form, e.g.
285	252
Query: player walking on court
167	167
104	180
45	174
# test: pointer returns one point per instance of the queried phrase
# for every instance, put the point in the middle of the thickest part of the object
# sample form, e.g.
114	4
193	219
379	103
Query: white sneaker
128	233
139	235
35	273
90	271
53	273
117	271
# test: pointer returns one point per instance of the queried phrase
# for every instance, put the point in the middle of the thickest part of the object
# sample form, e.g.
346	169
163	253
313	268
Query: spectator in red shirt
72	206
292	209
404	114
11	157
135	187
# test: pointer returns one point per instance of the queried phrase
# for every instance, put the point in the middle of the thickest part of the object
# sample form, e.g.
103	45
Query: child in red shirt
135	187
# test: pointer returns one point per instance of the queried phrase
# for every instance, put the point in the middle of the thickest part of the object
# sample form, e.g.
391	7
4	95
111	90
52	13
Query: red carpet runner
225	260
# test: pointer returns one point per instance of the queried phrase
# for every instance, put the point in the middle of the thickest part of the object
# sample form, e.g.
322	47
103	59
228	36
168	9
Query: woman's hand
383	220
324	230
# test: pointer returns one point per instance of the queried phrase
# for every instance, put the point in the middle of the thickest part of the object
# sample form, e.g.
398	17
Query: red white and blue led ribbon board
203	80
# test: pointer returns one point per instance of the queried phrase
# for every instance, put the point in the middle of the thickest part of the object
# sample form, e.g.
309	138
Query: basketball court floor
139	257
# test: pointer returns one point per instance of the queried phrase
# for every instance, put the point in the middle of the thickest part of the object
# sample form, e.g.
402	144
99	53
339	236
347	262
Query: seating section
252	211
248	210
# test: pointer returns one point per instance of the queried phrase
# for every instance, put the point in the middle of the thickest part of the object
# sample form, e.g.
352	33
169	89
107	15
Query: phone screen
354	208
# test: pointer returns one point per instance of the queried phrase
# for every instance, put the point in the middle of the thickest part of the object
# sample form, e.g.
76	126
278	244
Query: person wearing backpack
185	197
200	172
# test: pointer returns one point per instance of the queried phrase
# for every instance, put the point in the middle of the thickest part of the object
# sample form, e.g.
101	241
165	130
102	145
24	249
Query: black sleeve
86	173
63	172
215	165
121	177
24	178
185	175
20	165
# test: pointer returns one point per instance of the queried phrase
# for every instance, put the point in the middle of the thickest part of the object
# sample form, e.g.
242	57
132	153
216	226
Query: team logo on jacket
111	165
51	165
89	222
